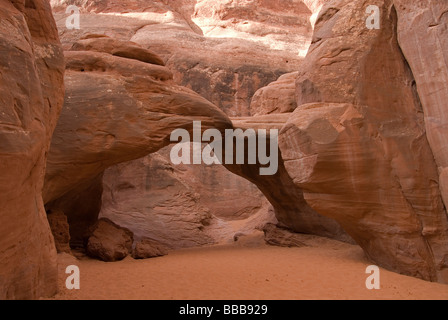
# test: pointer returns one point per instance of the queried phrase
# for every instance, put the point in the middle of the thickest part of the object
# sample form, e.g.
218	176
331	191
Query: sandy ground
247	269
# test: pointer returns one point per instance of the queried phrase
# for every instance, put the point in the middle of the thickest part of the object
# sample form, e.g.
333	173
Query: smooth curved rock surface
116	110
291	209
124	49
423	37
357	146
278	97
31	97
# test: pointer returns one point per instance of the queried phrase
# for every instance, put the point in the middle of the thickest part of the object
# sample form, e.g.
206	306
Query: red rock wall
356	145
31	97
423	37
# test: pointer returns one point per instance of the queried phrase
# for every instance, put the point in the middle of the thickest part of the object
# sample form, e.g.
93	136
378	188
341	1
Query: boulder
277	97
60	230
148	248
109	242
282	237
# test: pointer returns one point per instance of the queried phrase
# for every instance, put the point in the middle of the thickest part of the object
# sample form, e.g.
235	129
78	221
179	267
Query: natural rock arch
105	123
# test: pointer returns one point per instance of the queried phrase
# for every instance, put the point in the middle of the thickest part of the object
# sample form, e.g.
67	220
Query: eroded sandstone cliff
31	97
362	120
357	144
224	50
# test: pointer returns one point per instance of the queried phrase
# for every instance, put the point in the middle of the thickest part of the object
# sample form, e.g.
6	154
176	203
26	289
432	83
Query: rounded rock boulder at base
109	242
